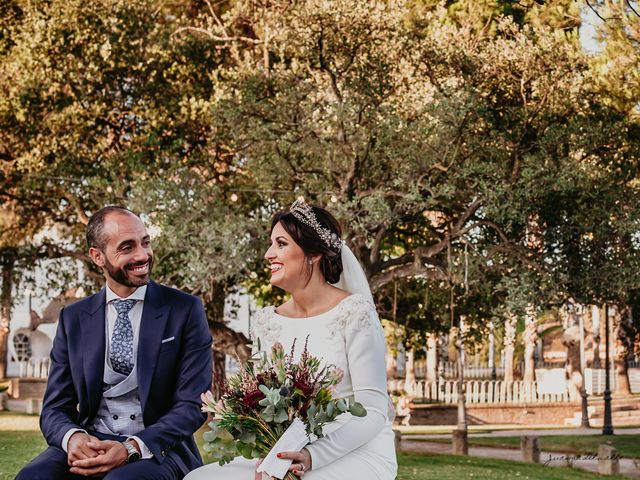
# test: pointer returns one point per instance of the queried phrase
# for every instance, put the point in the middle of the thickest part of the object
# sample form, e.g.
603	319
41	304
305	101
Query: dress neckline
319	314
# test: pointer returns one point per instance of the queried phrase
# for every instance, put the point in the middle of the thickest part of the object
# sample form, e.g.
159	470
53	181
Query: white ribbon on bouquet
292	440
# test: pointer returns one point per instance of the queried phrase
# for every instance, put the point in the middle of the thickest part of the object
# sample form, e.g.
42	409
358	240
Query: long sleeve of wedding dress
365	348
350	337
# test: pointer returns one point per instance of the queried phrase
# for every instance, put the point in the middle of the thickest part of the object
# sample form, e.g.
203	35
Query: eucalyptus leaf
357	410
248	437
282	416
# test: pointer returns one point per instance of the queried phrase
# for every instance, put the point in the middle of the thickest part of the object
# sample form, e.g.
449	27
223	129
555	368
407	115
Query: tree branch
632	9
410	270
374	257
394	262
494	227
214	37
598	15
468	213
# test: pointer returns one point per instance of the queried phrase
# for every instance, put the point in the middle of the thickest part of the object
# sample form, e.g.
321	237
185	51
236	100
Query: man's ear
97	256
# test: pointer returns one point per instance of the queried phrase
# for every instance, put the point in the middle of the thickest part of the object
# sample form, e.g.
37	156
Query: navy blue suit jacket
171	375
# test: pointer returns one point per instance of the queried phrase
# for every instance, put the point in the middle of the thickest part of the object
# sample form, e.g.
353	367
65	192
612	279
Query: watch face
133	453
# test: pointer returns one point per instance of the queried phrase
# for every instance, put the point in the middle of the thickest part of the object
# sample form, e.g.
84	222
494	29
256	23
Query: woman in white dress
331	305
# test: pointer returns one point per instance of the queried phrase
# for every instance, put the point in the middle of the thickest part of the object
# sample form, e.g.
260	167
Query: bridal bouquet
272	399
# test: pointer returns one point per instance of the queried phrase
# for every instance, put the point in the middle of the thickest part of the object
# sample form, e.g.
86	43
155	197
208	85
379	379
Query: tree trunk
230	342
432	358
623	335
491	360
410	373
509	345
461	444
571	340
219	374
392	365
226	341
530	338
5	314
596	326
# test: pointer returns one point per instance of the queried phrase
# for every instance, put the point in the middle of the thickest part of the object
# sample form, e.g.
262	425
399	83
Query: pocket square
170	339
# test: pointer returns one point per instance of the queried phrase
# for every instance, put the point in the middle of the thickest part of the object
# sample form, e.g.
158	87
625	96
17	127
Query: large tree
101	104
424	133
427	130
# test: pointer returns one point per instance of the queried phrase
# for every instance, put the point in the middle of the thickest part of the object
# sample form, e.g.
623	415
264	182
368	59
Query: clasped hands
301	463
88	455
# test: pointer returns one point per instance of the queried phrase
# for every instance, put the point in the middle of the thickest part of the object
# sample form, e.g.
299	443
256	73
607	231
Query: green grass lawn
627	445
450	467
20	442
17	448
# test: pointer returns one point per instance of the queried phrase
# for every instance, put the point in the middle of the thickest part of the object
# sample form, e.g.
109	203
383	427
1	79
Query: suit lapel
93	346
152	326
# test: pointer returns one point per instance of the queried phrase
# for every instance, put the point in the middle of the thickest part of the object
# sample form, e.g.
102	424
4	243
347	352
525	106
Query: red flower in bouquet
304	387
251	399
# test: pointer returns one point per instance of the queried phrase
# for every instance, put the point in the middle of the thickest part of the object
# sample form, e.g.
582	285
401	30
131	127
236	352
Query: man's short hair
95	227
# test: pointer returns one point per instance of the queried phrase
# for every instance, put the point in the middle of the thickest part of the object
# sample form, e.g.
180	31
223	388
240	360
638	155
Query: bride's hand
301	461
258	475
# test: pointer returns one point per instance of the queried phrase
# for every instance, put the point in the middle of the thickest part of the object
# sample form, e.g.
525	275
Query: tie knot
123	306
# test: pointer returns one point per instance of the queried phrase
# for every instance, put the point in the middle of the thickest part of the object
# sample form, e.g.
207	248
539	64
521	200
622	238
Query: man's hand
78	447
114	454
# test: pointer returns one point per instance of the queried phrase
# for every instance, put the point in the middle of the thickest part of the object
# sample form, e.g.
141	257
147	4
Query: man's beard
120	274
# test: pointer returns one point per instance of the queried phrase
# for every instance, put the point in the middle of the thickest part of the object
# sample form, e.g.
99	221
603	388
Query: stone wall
27	387
533	414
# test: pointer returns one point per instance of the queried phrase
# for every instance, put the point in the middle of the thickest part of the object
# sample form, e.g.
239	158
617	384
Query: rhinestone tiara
303	212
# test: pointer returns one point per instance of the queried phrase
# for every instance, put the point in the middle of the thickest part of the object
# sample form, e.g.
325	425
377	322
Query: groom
128	366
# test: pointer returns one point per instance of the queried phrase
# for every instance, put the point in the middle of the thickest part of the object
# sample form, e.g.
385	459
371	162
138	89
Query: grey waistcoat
119	412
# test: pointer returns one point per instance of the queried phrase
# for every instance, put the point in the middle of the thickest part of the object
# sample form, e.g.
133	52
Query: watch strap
132	452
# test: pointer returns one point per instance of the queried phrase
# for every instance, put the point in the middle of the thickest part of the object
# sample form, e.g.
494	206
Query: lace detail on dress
354	313
264	329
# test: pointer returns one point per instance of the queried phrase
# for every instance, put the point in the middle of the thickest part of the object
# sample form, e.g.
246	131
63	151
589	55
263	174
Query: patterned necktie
121	353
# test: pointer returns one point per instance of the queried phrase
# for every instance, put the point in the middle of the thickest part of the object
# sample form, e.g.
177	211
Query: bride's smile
286	259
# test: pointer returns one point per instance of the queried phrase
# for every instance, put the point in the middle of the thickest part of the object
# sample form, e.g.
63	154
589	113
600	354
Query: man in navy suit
128	366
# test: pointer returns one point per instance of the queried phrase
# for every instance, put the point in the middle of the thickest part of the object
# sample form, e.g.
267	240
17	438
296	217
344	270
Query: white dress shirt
111	314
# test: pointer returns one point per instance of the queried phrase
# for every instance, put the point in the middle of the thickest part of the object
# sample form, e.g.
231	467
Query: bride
331	303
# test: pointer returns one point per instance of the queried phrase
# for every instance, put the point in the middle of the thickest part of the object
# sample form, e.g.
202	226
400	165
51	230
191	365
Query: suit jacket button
115	417
132	417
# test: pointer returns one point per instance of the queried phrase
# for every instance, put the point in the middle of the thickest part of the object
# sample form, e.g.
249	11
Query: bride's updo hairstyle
312	244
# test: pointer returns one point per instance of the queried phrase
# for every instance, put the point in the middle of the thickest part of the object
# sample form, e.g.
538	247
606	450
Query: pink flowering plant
259	403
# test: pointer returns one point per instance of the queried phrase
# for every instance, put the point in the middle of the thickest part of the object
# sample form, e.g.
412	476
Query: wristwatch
132	452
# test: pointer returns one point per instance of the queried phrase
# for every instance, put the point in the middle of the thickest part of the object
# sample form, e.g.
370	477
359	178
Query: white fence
34	368
450	370
551	387
482	392
594	380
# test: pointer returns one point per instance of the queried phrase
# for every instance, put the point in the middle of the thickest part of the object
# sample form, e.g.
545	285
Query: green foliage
104	104
219	443
616	64
449	135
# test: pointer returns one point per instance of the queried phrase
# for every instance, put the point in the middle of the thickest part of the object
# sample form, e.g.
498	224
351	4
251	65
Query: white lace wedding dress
349	336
